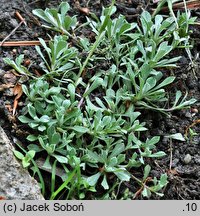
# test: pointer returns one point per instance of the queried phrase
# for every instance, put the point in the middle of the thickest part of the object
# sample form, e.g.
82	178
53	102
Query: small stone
198	173
194	110
84	10
35	35
9	92
191	83
7	102
27	62
187	159
188	115
2	72
195	140
20	103
172	131
26	52
9	78
175	162
13	23
197	159
155	173
176	152
165	140
14	51
184	76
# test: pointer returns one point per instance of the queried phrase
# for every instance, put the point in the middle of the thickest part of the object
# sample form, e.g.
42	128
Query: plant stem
143	185
11	33
100	35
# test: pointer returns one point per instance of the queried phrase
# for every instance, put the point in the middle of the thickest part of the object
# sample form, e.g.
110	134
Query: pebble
2	72
188	115
195	140
175	162
198	173
172	131
197	159
14	51
165	140
155	173
27	62
187	159
13	23
26	52
184	76
7	102
176	152
194	110
20	103
191	83
9	92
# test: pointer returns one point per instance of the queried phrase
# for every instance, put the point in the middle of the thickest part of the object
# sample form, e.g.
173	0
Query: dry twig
22	20
12	32
192	4
20	43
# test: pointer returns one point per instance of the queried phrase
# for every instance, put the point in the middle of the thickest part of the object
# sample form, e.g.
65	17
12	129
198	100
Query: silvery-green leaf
146	192
119	148
61	159
123	175
18	154
45	118
147	170
80	129
24	119
157	154
92	180
31	153
104	183
176	136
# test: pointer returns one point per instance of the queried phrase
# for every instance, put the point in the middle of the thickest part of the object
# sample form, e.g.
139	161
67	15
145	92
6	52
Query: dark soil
184	177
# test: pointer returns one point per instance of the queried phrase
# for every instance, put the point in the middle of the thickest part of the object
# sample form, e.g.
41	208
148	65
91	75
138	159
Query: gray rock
188	115
165	140
2	72
197	159
187	159
175	162
195	140
7	21
16	183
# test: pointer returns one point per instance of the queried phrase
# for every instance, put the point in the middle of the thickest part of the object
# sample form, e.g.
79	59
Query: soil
183	157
